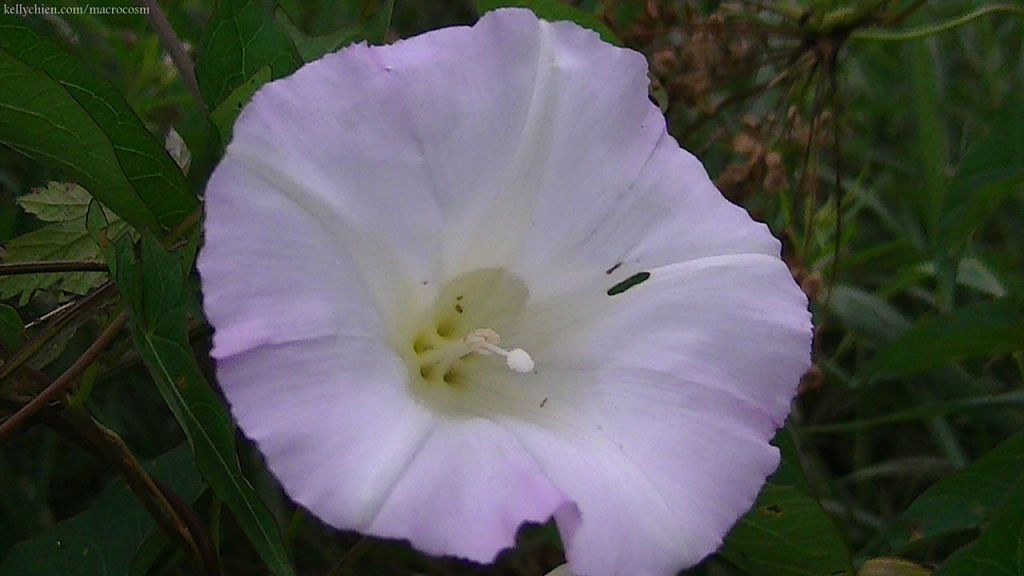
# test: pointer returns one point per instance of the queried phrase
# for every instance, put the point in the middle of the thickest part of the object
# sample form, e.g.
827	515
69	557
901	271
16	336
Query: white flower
390	221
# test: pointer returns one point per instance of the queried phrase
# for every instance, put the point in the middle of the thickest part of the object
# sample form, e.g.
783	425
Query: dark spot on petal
543	402
459	297
613	268
629	283
458	308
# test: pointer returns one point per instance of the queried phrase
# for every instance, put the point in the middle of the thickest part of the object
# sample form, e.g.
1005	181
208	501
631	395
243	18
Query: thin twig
174	47
931	30
65	318
52	266
61	383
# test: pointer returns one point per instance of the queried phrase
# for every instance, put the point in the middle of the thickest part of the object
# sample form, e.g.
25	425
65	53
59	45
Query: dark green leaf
65	237
554	10
992	171
1000	548
371	30
240	38
790	472
224	115
56	111
12	330
867	315
786	534
103	540
982	329
962	500
156	290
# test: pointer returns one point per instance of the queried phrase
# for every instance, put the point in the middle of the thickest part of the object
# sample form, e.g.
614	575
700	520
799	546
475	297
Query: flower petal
668	212
365	457
402	144
261	250
672	388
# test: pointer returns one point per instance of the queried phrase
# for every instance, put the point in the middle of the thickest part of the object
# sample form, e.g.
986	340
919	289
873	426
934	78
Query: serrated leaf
963	500
981	329
240	38
155	288
103	540
553	10
1000	548
64	206
53	109
786	534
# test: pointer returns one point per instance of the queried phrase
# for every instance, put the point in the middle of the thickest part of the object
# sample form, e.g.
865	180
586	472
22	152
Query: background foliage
883	140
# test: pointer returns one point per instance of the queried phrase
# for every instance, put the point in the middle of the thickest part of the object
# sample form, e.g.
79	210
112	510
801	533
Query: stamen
484	341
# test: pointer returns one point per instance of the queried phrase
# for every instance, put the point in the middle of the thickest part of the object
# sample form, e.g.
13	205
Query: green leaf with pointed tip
554	11
1000	548
64	237
786	534
156	290
371	30
992	171
981	329
241	37
224	115
103	540
963	500
54	110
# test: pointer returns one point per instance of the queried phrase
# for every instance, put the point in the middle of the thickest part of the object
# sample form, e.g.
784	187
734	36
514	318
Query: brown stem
61	383
65	319
165	507
169	40
52	266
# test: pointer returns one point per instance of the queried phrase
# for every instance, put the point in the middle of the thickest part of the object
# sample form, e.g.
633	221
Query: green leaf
53	109
867	315
554	11
371	30
999	549
963	500
155	288
103	540
981	329
240	38
786	534
991	172
12	330
65	237
224	115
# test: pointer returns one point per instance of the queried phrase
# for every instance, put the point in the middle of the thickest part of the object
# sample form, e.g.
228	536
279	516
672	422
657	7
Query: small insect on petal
628	283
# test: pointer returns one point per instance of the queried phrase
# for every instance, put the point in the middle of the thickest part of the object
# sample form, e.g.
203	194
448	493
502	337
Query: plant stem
52	266
171	514
65	319
174	47
64	380
925	31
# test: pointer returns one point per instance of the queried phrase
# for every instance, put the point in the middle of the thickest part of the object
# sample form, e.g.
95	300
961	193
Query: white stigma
484	341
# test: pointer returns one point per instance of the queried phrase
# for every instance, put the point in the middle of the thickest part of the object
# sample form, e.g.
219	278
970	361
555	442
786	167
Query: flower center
457	341
438	355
